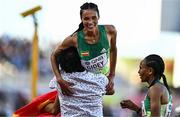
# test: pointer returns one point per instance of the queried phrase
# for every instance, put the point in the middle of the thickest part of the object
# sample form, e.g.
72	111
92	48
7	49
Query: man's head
69	60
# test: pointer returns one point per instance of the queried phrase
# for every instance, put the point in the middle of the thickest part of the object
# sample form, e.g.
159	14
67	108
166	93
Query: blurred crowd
17	51
15	72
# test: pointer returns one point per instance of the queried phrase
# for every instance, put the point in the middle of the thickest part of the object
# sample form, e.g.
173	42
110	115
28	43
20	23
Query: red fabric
49	115
32	109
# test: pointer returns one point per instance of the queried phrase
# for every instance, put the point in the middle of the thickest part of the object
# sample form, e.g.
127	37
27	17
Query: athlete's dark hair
156	62
69	60
86	6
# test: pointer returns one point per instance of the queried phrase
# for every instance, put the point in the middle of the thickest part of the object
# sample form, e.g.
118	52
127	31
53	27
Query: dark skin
158	93
52	107
90	20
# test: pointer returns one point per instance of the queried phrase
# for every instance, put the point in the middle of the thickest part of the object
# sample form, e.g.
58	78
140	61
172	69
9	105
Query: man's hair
69	60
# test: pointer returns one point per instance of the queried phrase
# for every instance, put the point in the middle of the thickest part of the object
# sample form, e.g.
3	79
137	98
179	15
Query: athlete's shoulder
69	41
156	89
110	29
72	38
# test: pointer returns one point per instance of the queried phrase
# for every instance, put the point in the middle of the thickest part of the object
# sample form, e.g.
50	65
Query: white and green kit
165	109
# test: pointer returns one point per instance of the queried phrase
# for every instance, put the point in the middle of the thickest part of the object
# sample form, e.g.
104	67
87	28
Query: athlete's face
144	72
90	19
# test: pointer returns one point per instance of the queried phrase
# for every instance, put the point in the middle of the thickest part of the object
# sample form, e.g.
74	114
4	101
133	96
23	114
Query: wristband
111	75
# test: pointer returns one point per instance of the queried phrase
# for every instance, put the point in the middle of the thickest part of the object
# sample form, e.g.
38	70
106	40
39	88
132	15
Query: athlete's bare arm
111	34
68	42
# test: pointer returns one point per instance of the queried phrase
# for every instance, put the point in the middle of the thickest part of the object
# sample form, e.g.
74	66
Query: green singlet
165	109
94	57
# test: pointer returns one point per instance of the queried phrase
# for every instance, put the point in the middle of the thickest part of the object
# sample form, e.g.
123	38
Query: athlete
158	101
96	46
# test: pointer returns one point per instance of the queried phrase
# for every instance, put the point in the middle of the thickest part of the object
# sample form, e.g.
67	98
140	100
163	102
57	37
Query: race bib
96	64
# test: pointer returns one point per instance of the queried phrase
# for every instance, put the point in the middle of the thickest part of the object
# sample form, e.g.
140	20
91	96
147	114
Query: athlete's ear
151	71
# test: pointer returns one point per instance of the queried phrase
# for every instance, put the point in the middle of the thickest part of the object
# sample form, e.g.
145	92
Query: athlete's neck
91	33
151	79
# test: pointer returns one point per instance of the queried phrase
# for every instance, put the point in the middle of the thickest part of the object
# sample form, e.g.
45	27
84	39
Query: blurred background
144	27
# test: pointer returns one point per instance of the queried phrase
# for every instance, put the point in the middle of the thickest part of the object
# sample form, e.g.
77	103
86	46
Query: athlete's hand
65	87
110	86
129	104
